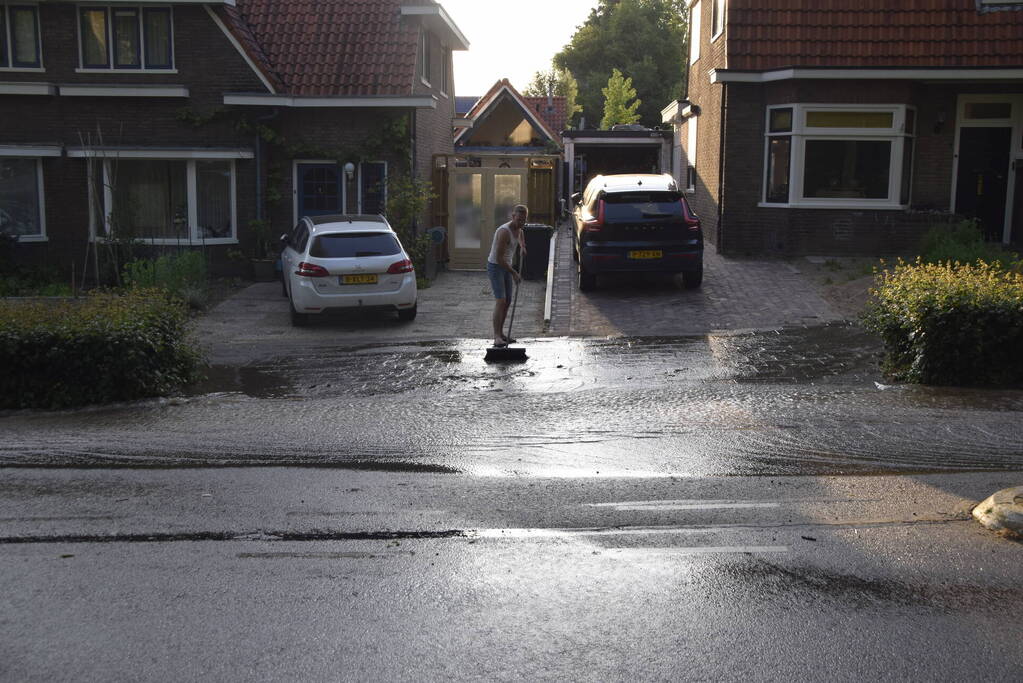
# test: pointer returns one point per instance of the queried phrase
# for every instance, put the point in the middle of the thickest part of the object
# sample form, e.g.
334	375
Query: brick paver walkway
737	294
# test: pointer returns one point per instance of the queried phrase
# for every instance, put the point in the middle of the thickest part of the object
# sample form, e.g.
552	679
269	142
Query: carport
589	153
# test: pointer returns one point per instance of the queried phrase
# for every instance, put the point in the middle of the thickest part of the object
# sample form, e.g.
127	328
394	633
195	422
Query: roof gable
332	47
503	104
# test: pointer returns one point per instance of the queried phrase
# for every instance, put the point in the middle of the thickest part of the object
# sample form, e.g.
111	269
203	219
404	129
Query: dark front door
982	182
319	189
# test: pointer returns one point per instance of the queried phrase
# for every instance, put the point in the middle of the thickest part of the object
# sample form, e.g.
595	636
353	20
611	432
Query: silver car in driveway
338	262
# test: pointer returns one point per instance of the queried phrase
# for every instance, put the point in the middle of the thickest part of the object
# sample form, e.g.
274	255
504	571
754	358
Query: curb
1003	511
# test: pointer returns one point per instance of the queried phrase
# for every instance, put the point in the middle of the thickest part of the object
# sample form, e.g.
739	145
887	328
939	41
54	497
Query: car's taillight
403	266
311	270
691	221
595	224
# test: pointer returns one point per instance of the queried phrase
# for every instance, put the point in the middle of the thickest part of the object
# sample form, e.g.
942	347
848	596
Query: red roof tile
335	47
553	113
773	34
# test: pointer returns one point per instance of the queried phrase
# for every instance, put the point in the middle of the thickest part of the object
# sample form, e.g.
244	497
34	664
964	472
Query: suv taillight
311	270
690	219
597	223
404	266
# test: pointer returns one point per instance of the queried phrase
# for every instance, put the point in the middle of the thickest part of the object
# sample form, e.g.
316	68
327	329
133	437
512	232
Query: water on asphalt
806	400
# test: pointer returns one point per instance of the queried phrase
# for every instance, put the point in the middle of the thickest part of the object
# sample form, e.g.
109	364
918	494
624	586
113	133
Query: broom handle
516	301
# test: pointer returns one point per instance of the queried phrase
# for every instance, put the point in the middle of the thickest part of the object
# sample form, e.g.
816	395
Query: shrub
407	199
182	275
106	347
949	324
962	242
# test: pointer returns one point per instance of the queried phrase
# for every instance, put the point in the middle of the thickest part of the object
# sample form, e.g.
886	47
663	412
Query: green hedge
950	323
106	347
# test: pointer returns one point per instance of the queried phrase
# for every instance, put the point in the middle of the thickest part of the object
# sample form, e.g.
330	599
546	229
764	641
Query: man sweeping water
499	268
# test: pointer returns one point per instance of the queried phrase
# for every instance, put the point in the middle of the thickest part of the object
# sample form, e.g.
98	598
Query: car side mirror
284	240
577	197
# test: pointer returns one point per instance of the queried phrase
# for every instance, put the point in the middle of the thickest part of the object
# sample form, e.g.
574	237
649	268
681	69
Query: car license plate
656	253
359	279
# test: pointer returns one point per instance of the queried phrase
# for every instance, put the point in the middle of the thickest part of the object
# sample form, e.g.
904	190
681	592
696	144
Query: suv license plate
646	254
359	279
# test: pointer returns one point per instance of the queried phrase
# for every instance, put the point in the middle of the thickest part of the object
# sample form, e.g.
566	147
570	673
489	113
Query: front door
318	189
982	182
480	199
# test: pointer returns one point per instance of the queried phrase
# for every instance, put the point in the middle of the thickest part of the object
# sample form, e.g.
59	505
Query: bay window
839	155
166	201
126	37
19	37
21	197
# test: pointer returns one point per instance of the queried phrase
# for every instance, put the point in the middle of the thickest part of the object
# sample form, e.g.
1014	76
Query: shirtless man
500	271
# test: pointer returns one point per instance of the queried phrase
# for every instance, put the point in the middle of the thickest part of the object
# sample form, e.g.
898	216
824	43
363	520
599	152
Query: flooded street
800	401
762	502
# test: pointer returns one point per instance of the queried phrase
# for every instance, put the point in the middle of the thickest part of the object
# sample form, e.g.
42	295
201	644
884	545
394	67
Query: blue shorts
500	281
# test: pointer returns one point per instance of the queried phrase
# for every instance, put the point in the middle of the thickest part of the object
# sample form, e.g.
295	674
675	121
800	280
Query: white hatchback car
332	262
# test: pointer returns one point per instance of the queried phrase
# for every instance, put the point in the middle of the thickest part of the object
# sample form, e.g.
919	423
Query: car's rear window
634	206
353	244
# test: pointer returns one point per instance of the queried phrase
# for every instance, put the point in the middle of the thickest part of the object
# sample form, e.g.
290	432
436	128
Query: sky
515	46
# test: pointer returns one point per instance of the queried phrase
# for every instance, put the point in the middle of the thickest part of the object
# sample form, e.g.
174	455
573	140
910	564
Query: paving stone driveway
736	295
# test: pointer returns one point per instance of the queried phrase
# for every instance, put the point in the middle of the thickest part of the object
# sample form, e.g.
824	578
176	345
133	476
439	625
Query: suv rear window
637	206
353	244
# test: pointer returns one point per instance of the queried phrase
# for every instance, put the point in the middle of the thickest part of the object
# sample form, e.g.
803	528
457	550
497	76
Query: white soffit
30	150
438	21
28	89
368	102
158	153
725	76
123	91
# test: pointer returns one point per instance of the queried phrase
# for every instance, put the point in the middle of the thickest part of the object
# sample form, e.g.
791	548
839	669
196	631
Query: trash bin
538	245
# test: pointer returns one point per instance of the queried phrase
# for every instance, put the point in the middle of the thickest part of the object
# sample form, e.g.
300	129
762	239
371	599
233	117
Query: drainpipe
412	160
721	165
259	163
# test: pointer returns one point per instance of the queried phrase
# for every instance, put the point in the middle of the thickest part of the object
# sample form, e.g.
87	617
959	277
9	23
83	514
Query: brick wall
753	230
123	121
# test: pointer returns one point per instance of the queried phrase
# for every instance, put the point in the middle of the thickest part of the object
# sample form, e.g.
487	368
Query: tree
556	83
643	38
617	94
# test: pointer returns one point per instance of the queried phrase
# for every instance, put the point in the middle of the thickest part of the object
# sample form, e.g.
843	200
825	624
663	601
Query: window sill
425	82
123	71
445	95
855	206
25	239
22	69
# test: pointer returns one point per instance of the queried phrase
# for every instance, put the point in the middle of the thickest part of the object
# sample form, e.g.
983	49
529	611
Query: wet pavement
673	485
798	401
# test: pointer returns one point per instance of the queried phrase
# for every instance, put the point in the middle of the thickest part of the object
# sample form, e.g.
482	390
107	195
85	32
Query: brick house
193	124
851	126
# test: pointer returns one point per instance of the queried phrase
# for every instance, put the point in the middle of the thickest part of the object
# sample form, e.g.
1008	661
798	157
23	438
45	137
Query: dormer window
126	37
19	37
424	57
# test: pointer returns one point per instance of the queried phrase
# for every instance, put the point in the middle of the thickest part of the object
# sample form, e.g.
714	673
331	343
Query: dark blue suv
636	223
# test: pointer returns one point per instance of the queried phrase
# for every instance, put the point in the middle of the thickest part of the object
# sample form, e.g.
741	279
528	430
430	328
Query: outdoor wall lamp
349	170
939	121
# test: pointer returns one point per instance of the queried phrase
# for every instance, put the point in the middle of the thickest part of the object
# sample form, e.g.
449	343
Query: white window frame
5	9
1014	121
192	197
694	31
294	185
424	58
717	27
41	236
692	140
359	181
801	133
143	69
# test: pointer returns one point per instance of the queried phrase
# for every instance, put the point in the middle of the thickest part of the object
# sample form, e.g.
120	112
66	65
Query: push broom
508	354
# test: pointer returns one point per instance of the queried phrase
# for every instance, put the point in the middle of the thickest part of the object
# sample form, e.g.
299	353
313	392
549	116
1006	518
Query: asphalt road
745	505
313	574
